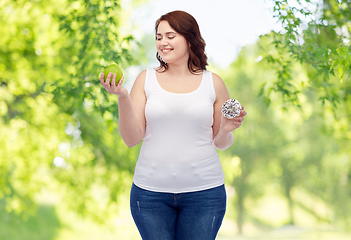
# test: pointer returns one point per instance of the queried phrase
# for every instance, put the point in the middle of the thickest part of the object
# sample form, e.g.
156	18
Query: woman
178	186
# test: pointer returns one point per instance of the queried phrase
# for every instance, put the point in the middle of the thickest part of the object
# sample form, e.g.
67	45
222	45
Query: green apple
113	69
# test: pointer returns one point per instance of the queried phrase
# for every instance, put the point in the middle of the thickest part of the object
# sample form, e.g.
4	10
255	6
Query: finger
108	78
121	81
239	119
243	113
113	82
102	78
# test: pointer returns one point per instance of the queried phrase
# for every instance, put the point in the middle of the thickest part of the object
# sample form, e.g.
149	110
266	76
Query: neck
178	69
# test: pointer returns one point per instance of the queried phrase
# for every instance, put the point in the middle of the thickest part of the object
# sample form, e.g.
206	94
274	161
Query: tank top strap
150	81
208	84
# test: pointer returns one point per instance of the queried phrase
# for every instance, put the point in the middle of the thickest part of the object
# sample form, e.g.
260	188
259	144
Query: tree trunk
290	205
241	210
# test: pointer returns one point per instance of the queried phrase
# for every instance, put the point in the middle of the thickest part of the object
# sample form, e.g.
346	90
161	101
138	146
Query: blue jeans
182	216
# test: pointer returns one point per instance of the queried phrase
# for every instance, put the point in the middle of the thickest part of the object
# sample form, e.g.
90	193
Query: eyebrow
167	33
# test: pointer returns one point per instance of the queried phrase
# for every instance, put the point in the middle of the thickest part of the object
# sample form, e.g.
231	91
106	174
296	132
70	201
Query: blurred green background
65	173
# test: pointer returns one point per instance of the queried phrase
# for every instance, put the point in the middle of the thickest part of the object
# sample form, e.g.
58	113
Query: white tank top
178	154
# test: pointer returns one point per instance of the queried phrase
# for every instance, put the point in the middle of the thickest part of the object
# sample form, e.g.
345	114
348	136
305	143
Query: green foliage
43	226
285	147
52	105
311	59
320	41
59	129
93	41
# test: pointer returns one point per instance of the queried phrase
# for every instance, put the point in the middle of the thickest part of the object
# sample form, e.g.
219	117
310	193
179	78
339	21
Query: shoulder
219	85
139	82
142	75
216	79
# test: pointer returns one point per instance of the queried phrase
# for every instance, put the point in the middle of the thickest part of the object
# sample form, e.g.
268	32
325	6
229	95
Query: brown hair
186	25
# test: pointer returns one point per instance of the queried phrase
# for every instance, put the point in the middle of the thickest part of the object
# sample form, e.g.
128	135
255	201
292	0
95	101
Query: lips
166	50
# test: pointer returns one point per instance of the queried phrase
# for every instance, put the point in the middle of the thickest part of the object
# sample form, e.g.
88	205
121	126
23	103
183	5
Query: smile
166	50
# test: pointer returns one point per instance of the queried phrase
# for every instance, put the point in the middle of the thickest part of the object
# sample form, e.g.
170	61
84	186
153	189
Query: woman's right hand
112	88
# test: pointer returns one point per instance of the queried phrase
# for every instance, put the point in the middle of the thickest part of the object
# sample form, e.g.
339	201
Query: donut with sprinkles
231	108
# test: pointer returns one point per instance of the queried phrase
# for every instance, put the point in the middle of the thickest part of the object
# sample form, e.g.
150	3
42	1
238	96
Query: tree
320	41
284	147
58	129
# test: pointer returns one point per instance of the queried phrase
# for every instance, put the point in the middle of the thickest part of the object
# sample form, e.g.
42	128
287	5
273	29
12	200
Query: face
171	46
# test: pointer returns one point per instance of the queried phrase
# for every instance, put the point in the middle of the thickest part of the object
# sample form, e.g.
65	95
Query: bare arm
222	127
131	121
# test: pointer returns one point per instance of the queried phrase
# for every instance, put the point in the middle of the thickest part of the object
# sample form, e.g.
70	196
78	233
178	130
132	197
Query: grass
50	224
45	225
282	233
53	222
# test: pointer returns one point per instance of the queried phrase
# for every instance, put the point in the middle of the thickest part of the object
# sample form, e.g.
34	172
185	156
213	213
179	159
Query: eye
170	37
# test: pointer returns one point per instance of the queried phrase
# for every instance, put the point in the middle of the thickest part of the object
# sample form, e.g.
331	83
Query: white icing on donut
231	108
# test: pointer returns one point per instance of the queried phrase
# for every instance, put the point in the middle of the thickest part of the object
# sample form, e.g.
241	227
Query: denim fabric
183	216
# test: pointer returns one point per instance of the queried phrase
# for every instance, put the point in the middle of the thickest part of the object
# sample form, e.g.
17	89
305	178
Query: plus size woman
175	110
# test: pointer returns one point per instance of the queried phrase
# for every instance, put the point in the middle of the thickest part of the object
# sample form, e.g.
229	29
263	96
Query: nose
164	42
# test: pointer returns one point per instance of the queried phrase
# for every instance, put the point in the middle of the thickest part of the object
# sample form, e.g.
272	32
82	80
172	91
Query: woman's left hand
229	125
